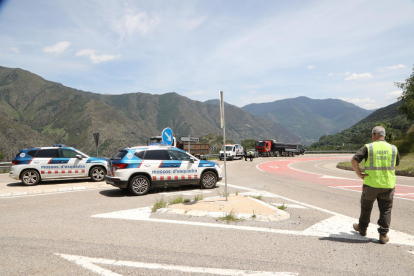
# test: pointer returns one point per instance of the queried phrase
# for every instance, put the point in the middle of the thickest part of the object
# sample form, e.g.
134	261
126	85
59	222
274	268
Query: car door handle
147	165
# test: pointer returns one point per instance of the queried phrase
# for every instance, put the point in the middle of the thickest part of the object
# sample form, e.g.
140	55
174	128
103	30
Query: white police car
35	164
139	169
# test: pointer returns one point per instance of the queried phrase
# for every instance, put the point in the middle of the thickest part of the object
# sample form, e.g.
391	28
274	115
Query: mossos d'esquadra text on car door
139	169
33	165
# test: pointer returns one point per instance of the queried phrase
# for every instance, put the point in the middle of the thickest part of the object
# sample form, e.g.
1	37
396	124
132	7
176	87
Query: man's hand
355	165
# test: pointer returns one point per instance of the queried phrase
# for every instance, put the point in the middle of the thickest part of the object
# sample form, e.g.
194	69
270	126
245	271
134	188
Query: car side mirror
78	156
192	160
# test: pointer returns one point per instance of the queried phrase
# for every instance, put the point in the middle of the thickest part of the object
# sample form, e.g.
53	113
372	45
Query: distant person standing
381	158
251	155
245	155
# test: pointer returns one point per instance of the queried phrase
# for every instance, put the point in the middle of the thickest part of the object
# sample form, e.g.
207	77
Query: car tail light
119	166
15	162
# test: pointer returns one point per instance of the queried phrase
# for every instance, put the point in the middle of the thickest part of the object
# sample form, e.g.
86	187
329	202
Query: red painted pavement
281	167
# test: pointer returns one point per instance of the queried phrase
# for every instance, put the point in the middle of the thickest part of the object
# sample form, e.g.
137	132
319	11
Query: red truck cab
263	147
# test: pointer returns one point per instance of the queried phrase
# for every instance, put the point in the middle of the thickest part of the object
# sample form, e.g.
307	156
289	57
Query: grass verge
161	203
282	207
229	217
406	163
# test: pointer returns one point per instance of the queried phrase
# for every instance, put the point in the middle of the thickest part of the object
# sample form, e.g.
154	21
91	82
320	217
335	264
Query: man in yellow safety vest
381	159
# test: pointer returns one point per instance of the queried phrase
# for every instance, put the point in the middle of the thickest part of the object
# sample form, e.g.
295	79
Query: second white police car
57	162
139	169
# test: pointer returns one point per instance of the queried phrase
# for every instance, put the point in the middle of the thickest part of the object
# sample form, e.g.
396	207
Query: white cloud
90	53
14	50
133	22
355	76
58	48
393	94
254	92
330	74
395	67
311	67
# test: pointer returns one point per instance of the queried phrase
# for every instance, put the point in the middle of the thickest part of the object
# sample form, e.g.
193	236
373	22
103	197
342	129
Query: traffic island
237	207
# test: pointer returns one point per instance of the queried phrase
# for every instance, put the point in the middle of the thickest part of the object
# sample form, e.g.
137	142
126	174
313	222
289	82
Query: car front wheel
97	174
208	180
139	185
30	177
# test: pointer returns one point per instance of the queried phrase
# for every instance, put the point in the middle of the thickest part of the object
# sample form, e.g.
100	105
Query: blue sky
255	51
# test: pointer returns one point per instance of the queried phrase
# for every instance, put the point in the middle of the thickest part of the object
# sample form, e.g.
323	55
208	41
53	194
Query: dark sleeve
361	154
398	158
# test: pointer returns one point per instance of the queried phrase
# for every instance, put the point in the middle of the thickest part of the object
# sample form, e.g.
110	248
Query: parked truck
268	148
196	149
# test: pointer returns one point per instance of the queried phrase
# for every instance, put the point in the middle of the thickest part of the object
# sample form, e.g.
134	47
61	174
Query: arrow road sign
167	136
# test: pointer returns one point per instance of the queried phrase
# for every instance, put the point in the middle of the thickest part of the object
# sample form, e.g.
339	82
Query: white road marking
76	189
89	263
338	226
295	206
290	167
188	193
336	177
258	193
352	186
257	166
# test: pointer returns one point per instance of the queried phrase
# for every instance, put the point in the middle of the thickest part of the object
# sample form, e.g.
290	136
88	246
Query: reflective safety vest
251	153
380	165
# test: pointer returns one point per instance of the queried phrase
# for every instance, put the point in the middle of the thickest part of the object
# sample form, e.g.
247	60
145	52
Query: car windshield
84	155
228	148
261	144
119	155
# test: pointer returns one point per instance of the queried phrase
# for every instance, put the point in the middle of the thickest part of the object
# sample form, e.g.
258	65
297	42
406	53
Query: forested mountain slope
36	112
310	118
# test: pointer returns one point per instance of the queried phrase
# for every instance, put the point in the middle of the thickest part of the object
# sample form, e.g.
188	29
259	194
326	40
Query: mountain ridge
50	111
310	118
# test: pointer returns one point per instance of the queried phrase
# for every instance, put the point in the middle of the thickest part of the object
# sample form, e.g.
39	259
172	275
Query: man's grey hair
379	130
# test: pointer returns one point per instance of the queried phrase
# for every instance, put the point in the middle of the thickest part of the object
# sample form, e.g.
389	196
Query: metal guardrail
5	166
333	151
206	156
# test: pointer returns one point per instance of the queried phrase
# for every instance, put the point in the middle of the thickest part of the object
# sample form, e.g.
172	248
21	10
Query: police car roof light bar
59	145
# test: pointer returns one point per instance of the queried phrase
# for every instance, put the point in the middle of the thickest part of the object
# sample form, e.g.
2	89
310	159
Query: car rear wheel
139	185
30	177
97	174
208	180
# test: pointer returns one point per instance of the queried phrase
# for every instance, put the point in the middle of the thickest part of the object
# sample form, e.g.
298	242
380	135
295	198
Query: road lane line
89	263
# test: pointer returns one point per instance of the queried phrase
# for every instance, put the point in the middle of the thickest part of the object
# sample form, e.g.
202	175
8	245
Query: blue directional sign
167	136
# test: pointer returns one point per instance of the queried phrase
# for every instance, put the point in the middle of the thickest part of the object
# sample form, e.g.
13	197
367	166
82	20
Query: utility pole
223	126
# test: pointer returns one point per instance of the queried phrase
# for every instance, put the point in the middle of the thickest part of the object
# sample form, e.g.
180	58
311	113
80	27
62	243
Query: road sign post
96	137
223	126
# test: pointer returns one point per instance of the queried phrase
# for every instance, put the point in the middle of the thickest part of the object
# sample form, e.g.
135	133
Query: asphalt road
84	228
